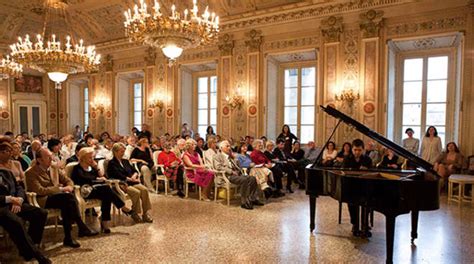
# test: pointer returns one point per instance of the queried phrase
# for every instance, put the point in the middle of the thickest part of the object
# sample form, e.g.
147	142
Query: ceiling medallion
174	33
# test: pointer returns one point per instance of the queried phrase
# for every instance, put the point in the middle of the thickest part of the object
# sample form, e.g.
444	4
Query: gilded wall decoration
331	70
226	45
291	43
310	12
5	115
371	23
369	108
150	56
332	28
254	40
429	25
199	54
130	65
427	43
351	60
370	70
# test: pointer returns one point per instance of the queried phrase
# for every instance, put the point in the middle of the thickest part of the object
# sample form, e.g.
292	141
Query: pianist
358	160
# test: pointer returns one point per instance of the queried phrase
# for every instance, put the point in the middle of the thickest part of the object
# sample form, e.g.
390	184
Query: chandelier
174	33
9	68
57	60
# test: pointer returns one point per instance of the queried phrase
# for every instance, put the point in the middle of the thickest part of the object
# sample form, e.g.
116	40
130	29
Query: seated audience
35	146
285	162
261	160
344	153
224	161
200	147
173	166
131	145
244	158
358	160
104	151
329	154
143	156
195	169
57	194
74	158
22	159
120	168
87	174
389	161
186	131
67	146
54	145
211	151
180	148
7	163
449	161
297	153
373	153
311	153
15	209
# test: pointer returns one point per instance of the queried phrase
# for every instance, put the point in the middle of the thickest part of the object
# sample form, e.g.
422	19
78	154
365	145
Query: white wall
187	99
123	107
75	106
272	105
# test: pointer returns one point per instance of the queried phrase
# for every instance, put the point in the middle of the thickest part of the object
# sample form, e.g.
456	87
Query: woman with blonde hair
120	168
86	174
195	169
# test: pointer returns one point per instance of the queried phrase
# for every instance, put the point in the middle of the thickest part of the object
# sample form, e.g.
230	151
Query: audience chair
160	176
222	184
188	181
83	203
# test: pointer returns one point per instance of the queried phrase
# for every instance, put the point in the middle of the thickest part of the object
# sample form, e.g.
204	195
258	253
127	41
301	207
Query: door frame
29	103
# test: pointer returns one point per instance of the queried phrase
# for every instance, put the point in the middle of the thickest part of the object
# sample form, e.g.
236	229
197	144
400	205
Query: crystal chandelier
9	68
57	60
174	33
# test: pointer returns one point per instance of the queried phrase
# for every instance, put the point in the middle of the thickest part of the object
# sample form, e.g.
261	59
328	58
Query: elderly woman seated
173	166
196	170
244	159
261	161
449	161
142	155
93	186
120	169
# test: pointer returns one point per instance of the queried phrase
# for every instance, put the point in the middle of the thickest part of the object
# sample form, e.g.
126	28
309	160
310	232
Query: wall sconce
348	96
158	101
2	104
100	103
235	100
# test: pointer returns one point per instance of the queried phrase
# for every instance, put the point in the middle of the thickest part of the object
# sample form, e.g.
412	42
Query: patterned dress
201	177
167	159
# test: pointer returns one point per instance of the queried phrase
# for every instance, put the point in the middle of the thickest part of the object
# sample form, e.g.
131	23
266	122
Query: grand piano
390	192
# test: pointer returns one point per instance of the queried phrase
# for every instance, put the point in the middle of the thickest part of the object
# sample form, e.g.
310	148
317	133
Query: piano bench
460	196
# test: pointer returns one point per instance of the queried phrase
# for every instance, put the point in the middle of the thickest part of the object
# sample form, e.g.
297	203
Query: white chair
222	182
188	181
160	176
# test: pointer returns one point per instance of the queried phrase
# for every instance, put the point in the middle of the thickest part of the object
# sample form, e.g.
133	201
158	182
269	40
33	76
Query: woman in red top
173	165
259	158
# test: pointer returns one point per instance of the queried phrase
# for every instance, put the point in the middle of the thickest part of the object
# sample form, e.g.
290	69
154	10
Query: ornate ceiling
101	21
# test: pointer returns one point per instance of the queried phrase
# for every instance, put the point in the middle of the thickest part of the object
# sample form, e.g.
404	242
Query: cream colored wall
347	49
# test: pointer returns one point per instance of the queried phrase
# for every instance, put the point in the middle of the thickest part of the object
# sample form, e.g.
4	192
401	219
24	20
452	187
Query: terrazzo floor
190	231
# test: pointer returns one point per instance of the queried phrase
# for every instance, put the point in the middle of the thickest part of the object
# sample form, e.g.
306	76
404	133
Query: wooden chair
160	176
83	203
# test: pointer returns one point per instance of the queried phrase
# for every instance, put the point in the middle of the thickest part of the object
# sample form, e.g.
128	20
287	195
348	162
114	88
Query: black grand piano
390	192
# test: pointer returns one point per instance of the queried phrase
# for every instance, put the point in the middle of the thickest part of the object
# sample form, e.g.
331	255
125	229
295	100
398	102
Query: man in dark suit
14	208
359	161
284	163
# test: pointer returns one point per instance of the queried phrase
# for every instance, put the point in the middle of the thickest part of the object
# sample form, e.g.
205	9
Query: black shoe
258	203
365	234
288	189
247	206
104	228
355	231
181	194
43	260
278	193
301	187
71	243
128	213
267	192
87	233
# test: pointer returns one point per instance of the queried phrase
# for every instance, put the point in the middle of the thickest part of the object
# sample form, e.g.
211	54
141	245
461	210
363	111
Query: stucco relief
370	72
351	60
291	43
371	23
331	71
428	25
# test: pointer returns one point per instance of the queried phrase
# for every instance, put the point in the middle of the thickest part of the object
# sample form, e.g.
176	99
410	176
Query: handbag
86	190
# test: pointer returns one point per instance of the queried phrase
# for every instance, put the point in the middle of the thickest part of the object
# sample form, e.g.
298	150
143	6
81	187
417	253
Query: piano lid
379	138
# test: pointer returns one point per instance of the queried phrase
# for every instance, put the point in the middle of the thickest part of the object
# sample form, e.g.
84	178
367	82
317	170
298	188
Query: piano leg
414	225
390	235
312	211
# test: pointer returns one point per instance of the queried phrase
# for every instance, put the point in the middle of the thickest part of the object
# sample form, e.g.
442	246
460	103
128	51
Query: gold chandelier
9	68
172	33
57	60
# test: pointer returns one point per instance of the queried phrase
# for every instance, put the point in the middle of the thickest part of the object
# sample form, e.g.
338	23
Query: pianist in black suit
358	160
14	209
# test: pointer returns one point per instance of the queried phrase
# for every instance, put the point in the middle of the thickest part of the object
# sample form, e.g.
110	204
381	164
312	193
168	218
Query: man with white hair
224	161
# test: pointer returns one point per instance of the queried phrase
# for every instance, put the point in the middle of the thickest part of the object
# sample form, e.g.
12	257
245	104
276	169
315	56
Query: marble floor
190	231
